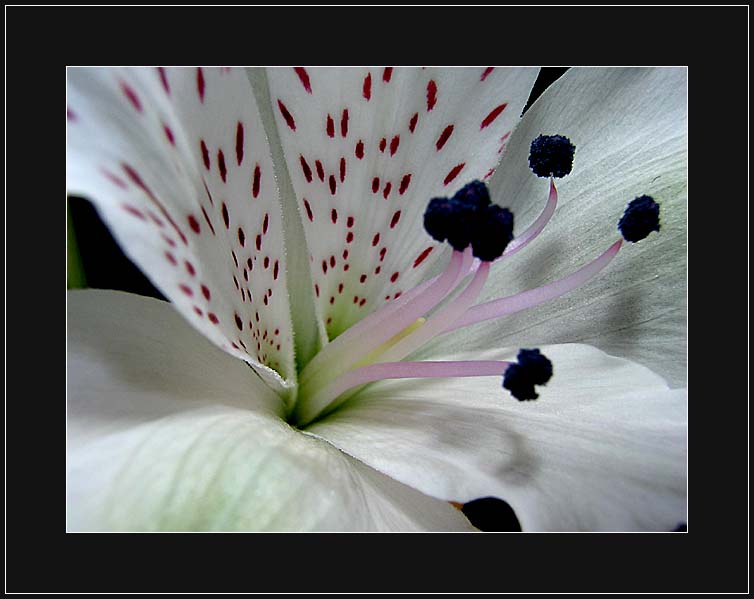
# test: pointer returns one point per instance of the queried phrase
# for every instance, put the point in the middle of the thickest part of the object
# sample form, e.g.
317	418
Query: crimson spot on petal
309	213
186	289
395	219
205	292
431	95
386	191
342	169
453	173
366	88
221	165
359	152
205	153
304	77
131	95
447	132
169	134
239	143
332	184
330	126
404	183
306	169
493	115
375	240
194	224
256	183
213	319
200	83
241	237
239	322
164	79
287	116
387	74
265	223
421	257
412	122
394	277
394	145
375	185
487	71
334	216
344	123
320	170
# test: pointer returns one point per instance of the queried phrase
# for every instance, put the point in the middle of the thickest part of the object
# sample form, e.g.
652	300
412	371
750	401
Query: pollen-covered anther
532	369
493	233
551	156
642	216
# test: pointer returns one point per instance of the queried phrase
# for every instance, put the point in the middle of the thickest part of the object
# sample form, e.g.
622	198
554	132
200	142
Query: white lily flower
334	376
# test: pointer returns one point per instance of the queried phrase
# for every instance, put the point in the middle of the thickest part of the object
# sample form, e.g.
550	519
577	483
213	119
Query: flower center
480	234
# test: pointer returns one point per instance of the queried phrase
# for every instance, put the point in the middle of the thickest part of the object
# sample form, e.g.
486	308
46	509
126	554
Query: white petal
367	149
166	432
177	163
603	448
629	128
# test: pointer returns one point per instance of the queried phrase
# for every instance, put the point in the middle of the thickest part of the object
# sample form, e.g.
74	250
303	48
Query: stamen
534	297
642	216
551	156
393	370
532	369
537	226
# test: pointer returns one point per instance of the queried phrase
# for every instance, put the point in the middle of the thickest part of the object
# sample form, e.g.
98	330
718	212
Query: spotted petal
367	149
166	432
177	163
603	448
629	128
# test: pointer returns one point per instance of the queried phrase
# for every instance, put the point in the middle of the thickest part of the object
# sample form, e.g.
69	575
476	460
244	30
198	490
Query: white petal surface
603	448
367	148
166	432
177	163
629	128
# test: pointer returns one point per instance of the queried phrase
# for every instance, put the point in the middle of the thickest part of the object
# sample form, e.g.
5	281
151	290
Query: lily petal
629	129
367	149
177	163
603	448
166	432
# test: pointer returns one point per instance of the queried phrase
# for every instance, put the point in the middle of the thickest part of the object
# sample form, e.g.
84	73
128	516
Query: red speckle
134	211
200	83
383	251
332	184
395	219
386	191
359	152
421	257
209	222
257	179
239	322
487	71
332	261
316	290
324	266
287	116
113	179
330	126
431	95
320	170
394	277
306	169
239	143
345	254
375	185
169	241
355	299
405	181
366	89
413	121
453	173
189	268
362	301
377	270
304	77
233	345
334	216
198	311
387	74
375	240
349	239
212	318
186	289
344	123
169	134
226	217
171	258
164	79
241	237
342	169
194	224
340	288
221	165
131	95
332	300
489	173
275	271
205	292
205	153
258	243
363	279
308	209
155	219
394	144
249	263
235	259
349	222
447	132
265	224
383	144
493	115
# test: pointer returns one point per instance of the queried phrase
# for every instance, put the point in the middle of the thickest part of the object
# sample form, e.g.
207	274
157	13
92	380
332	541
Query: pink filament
536	227
399	370
534	297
